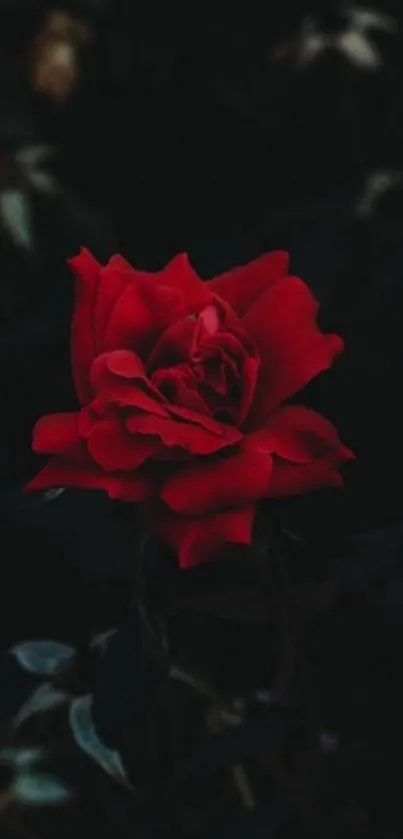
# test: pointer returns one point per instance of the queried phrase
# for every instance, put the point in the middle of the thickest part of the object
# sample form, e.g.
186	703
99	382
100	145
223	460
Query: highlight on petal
210	319
234	481
243	286
55	433
201	539
83	345
292	348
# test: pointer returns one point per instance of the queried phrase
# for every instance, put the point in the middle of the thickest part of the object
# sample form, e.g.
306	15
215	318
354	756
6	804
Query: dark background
215	138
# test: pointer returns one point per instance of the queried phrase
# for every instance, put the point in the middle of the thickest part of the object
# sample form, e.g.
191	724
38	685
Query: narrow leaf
41	790
23	756
33	155
101	642
359	50
87	739
44	658
52	494
365	19
44	698
16	217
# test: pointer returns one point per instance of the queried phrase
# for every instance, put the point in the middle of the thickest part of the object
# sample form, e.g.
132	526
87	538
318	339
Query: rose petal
210	319
55	433
134	487
175	345
243	286
141	313
83	347
292	348
193	438
198	540
295	433
233	481
180	275
113	448
250	373
219	429
110	377
87	420
114	279
125	363
295	478
180	387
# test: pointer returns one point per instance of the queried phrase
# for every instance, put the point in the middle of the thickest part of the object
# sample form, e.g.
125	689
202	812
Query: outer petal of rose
292	348
243	286
113	448
295	433
187	436
55	433
179	274
141	313
114	279
295	478
198	540
134	487
83	347
231	482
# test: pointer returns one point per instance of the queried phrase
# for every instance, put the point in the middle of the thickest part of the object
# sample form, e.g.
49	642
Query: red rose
181	385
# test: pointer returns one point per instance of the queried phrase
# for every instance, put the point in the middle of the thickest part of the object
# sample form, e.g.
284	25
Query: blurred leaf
44	658
22	756
101	642
44	698
41	181
377	183
353	41
359	50
52	494
40	790
33	155
16	217
367	19
87	739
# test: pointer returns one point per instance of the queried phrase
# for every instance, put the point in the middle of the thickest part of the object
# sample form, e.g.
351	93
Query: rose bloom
182	386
